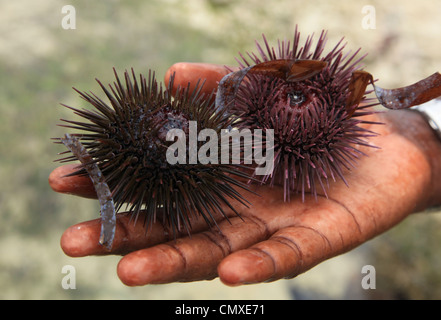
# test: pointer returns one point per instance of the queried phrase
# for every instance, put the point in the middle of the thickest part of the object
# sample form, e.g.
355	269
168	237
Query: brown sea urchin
304	95
128	142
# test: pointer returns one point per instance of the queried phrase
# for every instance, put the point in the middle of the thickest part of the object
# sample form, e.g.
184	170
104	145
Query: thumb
188	72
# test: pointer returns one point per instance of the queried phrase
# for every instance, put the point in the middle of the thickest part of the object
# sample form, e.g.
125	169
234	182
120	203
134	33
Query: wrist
414	127
431	111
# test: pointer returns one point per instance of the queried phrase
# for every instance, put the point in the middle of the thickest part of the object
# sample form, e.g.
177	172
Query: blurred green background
40	62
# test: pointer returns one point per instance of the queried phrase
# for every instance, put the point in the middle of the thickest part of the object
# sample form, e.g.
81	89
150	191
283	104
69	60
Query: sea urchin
128	141
304	95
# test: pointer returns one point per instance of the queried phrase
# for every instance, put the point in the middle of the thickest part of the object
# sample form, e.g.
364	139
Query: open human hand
274	239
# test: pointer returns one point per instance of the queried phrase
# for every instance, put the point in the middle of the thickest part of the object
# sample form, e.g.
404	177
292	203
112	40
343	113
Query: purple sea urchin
304	95
128	141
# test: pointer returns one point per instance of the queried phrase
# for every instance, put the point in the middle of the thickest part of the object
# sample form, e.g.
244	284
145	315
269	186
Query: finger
285	255
315	237
130	235
186	72
189	259
169	262
83	239
77	185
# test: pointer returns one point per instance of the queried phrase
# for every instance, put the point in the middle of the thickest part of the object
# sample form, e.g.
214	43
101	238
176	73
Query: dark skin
275	239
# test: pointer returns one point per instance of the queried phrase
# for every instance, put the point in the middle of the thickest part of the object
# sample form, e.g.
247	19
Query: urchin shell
315	132
127	139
